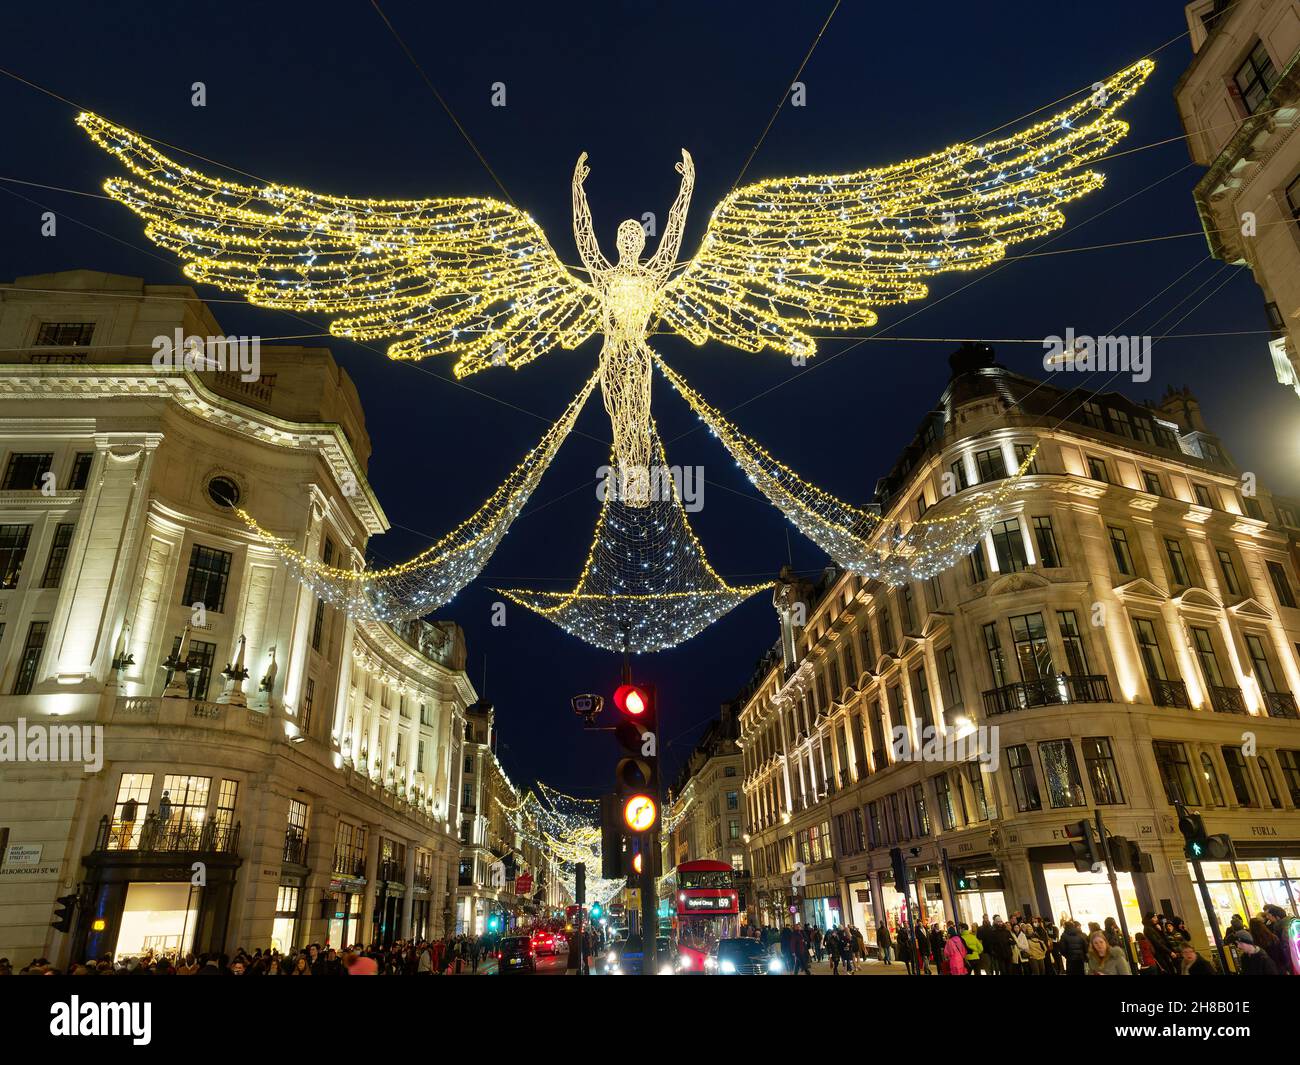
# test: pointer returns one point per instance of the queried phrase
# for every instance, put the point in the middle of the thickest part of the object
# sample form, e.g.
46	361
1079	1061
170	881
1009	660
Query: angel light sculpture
783	263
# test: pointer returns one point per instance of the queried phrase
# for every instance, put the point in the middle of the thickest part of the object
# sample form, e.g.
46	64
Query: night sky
322	96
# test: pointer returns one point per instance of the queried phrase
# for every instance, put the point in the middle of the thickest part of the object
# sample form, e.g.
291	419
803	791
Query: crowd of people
449	955
1035	946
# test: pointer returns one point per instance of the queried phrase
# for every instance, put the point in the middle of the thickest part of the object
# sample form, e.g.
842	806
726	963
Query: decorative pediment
885	662
1017	582
908	645
864	679
1141	589
1253	609
1198	599
935	622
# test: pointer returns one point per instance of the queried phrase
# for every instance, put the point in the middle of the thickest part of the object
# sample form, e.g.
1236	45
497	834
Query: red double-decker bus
706	909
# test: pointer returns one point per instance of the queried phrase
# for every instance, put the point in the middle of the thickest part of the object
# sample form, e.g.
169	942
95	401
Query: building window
1270	785
1211	778
977	570
1023	780
1023	451
64	334
80	475
308	700
1097	469
26	470
1236	763
58	559
733	800
1177	564
733	828
1009	546
1152	483
921	696
959	474
1029	637
943	791
1281	584
1076	654
31	656
920	812
993	648
198	672
1290	763
1209	660
979	796
1259	662
1061	771
1103	774
1254	78
1046	540
1230	583
952	683
1119	547
318	626
1203	496
1149	649
1175	772
206	581
13	549
990	465
223	492
887	641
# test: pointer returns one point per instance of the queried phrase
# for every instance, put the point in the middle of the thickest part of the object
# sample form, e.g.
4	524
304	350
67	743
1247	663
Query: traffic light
611	837
637	775
899	863
1199	845
597	911
962	880
494	923
64	906
1083	845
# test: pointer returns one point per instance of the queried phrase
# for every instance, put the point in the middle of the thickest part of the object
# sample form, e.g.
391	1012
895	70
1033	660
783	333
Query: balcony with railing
1227	700
179	835
1169	693
1281	704
295	846
1060	690
349	863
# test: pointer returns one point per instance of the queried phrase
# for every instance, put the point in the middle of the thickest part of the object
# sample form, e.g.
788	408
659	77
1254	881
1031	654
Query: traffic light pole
1114	889
649	904
1209	912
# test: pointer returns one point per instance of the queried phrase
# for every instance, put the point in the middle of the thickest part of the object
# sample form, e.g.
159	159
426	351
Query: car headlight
728	967
684	961
613	958
775	966
710	963
665	970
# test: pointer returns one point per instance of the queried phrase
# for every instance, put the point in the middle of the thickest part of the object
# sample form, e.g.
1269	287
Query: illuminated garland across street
646	584
568	829
858	539
432	578
782	261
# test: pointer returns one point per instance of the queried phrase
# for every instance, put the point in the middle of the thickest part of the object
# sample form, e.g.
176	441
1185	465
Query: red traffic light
632	700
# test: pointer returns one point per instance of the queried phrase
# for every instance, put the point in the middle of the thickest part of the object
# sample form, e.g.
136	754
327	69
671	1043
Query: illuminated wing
789	258
473	277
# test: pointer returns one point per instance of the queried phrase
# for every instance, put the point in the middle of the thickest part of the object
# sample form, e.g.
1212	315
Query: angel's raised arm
583	233
671	241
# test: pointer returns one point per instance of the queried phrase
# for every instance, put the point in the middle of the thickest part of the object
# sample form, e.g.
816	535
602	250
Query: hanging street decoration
783	263
432	578
646	585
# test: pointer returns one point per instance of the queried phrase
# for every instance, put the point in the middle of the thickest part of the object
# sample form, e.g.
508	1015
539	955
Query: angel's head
630	241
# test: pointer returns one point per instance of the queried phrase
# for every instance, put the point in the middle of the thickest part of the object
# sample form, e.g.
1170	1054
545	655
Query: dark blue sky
321	96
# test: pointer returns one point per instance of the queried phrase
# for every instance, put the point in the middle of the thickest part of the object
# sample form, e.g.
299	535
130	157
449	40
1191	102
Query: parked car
515	955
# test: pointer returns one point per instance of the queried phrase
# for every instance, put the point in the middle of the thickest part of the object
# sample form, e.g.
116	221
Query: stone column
408	895
372	876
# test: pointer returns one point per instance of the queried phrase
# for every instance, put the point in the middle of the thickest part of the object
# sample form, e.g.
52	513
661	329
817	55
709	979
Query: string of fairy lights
432	578
782	262
859	539
567	829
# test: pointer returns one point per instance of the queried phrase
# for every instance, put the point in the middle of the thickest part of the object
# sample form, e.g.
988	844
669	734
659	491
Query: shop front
1087	897
978	890
820	907
344	914
1247	885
